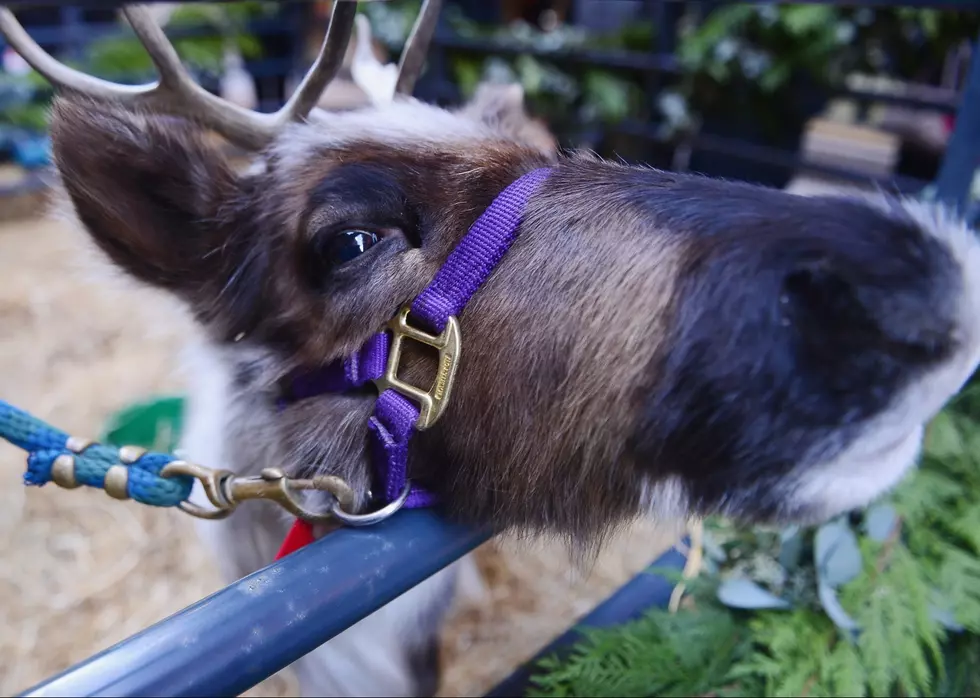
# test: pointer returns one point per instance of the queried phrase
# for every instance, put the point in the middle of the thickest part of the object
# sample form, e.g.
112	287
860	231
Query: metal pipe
228	642
962	159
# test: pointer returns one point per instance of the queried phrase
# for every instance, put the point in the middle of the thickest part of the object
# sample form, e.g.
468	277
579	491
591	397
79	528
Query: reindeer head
653	342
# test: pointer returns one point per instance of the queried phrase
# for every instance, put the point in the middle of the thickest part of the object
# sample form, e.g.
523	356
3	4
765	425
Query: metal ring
374	517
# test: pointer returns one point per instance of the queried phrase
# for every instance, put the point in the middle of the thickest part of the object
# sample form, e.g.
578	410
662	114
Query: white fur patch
399	124
665	500
372	657
377	79
890	443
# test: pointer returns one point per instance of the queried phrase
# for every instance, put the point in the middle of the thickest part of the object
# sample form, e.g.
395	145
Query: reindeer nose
900	295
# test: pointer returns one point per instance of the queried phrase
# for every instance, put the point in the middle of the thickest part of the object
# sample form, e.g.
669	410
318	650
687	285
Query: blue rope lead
124	473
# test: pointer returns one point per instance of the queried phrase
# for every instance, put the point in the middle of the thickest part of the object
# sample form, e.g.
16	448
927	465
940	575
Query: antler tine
175	93
326	66
161	51
416	47
59	74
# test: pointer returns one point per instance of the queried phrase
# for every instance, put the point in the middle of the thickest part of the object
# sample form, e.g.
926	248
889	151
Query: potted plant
759	72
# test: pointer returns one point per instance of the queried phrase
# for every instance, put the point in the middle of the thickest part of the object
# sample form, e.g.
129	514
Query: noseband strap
396	416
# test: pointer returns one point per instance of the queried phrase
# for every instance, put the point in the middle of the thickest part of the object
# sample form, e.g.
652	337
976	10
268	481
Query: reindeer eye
346	245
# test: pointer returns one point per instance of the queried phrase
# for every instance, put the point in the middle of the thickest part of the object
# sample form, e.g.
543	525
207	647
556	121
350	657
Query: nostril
838	310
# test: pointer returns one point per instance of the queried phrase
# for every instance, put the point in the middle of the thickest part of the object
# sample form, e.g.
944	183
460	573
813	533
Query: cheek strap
396	412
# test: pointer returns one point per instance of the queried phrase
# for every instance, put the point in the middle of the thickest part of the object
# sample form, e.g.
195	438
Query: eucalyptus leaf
739	592
712	548
836	612
836	554
790	547
879	521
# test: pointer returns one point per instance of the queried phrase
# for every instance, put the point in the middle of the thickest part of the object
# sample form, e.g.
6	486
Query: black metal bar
944	105
230	641
962	157
58	34
645	591
624	60
660	63
72	26
772	156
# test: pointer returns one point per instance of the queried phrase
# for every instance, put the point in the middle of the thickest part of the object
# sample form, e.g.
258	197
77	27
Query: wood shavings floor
79	571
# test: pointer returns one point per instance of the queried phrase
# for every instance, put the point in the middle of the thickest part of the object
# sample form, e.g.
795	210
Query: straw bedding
80	571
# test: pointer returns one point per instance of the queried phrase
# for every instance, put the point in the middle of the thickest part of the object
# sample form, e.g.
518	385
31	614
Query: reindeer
653	344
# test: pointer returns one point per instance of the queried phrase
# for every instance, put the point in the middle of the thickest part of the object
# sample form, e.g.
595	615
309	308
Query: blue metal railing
962	157
230	641
237	637
264	622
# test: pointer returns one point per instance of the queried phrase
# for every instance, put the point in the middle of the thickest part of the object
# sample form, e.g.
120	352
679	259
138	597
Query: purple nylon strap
355	371
477	254
467	267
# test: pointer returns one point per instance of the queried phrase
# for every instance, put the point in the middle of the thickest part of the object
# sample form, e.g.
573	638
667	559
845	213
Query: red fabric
299	535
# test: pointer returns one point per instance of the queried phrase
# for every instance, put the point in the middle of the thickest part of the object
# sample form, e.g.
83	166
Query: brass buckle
432	403
226	491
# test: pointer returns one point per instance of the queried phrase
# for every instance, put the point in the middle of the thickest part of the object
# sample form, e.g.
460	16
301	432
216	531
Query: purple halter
396	416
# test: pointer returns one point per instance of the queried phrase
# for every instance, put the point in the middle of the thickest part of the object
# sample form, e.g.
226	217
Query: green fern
913	598
691	657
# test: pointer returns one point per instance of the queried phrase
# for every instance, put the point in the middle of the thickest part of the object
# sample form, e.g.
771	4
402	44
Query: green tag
154	424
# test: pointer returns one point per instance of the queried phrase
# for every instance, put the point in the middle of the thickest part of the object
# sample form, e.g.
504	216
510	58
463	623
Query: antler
176	92
417	46
384	82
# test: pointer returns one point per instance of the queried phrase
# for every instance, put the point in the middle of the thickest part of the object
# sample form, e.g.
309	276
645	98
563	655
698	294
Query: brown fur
576	420
570	361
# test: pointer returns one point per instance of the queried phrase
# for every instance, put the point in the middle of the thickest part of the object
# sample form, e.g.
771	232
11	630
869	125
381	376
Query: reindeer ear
147	189
495	104
501	107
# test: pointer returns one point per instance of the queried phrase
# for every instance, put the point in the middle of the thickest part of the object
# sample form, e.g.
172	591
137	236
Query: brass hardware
211	481
63	472
226	491
77	445
131	454
116	479
432	403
